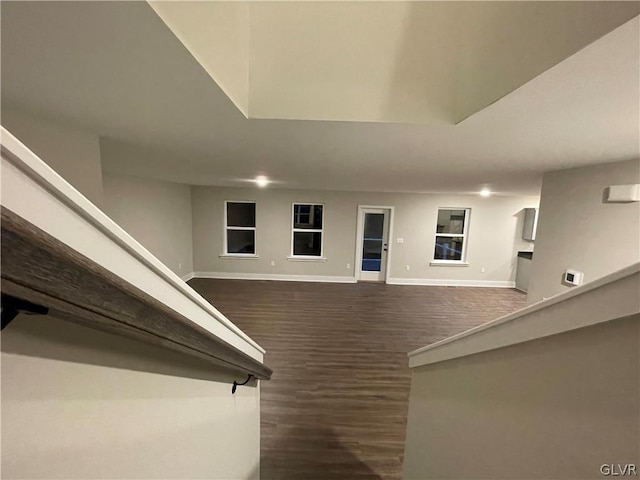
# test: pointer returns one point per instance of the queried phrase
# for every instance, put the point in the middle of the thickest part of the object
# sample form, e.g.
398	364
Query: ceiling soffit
401	62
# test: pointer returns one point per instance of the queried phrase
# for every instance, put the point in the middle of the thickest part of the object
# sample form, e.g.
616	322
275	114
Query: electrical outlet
180	266
482	270
273	263
400	240
348	266
407	268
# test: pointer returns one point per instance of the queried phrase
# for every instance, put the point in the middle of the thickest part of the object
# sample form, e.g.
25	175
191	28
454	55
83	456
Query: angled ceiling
407	62
217	35
115	68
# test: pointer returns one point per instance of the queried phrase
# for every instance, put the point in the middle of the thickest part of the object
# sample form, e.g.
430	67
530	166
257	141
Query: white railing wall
551	391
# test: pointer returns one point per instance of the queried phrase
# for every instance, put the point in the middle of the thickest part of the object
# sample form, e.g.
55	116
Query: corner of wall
578	230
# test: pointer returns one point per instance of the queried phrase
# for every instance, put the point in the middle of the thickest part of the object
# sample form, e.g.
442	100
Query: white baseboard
451	283
336	279
187	277
273	276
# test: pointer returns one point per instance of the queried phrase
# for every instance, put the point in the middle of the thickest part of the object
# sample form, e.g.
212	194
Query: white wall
217	35
578	230
82	404
72	153
553	408
157	214
494	233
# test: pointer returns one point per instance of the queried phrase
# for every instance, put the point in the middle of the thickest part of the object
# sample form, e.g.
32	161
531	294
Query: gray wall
577	230
157	214
494	233
74	154
82	404
554	408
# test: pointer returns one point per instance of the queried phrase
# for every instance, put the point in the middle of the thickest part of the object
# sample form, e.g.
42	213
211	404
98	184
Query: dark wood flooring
336	406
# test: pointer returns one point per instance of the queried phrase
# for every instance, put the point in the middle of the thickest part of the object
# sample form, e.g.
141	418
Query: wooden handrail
40	269
61	252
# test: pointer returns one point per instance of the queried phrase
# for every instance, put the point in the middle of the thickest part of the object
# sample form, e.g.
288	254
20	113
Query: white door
373	243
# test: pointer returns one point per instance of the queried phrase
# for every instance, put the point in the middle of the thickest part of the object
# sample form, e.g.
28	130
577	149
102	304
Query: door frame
360	232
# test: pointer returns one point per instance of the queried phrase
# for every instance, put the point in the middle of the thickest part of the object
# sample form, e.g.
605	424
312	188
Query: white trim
307	230
243	256
389	243
34	191
359	237
435	282
448	263
300	258
464	235
187	277
226	228
608	298
274	276
339	279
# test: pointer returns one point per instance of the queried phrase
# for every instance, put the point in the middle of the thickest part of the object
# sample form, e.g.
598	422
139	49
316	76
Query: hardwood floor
336	406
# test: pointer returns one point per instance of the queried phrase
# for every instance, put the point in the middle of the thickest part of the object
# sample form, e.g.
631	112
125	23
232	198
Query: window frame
464	235
293	256
227	228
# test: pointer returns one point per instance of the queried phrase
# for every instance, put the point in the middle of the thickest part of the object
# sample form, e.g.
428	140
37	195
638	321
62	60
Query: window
451	235
307	230
240	228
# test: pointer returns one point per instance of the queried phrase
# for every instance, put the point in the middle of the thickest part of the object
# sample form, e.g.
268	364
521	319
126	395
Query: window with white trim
307	230
240	228
451	235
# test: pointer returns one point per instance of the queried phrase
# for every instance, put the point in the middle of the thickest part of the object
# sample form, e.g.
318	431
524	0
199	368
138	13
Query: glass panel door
372	243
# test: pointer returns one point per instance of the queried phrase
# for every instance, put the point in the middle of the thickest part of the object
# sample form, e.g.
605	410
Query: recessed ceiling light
485	192
262	181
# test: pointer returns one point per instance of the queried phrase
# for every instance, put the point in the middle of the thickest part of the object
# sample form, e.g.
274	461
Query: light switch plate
573	277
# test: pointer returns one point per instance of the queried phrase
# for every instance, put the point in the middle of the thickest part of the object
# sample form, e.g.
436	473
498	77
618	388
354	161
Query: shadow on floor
312	453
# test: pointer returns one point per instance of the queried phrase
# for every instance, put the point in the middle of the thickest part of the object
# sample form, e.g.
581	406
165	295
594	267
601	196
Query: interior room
320	240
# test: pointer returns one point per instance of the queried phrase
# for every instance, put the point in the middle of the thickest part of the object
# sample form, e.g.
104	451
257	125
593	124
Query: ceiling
429	62
516	90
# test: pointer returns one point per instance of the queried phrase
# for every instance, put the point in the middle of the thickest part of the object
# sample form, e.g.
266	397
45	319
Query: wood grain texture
38	268
336	407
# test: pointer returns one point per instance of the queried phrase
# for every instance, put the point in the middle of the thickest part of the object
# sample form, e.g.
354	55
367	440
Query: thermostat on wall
573	277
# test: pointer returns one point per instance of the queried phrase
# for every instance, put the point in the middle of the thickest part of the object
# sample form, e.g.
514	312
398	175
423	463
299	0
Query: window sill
450	263
306	259
239	255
